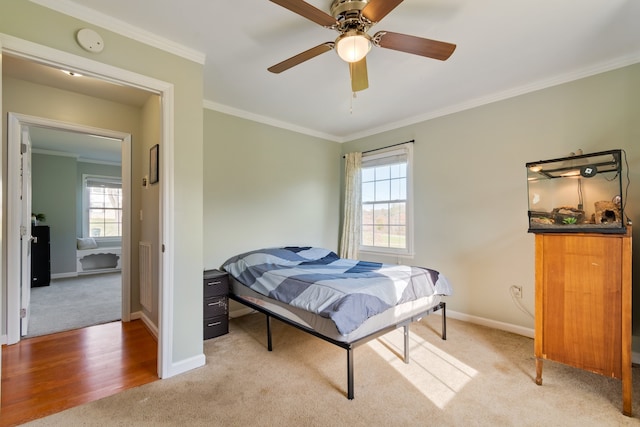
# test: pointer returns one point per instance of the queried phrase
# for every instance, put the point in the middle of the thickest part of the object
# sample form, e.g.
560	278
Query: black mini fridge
40	256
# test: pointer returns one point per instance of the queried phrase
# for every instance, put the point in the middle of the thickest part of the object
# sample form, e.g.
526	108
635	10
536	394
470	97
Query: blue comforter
344	290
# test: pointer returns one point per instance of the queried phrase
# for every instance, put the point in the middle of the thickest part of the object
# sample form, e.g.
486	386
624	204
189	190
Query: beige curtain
350	240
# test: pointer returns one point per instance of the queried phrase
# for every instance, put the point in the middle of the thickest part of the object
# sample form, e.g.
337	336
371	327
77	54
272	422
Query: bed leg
406	343
269	344
444	321
350	373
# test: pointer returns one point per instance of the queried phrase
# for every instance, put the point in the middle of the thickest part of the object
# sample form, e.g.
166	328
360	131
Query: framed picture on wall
154	159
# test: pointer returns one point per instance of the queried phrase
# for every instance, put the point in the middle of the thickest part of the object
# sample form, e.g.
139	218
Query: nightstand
216	303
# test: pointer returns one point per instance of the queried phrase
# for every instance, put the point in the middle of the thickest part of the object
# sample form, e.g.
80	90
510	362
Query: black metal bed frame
349	346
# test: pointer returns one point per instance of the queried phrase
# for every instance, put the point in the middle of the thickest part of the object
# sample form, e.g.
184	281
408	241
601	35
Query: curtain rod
388	146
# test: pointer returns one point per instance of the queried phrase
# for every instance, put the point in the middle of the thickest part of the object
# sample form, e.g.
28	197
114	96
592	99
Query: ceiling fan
352	19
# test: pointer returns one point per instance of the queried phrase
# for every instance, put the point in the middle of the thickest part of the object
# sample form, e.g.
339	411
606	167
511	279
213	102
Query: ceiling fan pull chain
351	103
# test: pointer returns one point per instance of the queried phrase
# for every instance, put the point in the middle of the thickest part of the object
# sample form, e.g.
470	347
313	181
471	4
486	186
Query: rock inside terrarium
567	215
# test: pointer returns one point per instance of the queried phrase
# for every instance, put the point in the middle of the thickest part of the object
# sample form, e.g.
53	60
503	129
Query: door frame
54	57
16	123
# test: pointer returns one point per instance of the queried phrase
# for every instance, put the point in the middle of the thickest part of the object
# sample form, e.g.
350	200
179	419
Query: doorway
165	231
19	287
68	169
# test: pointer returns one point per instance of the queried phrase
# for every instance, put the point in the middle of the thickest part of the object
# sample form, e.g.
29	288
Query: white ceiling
82	146
504	48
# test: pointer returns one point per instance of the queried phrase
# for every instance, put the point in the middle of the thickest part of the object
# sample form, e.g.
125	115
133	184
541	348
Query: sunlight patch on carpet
435	373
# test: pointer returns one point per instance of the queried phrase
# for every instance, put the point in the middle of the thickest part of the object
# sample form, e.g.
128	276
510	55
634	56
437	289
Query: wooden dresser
583	304
216	303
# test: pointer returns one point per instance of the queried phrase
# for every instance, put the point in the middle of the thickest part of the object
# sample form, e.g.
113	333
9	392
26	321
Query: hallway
48	374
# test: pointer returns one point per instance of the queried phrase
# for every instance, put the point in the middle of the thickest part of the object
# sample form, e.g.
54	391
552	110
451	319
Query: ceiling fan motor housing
348	15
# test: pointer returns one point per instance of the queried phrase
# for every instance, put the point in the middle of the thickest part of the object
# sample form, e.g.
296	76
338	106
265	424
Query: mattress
325	326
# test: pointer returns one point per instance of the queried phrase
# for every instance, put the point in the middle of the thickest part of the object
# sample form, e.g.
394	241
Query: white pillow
86	243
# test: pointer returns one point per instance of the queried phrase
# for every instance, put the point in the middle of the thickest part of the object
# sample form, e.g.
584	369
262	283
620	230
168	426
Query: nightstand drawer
216	326
215	306
215	283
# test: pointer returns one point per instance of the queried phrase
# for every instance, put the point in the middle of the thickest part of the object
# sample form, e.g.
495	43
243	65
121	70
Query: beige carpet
478	377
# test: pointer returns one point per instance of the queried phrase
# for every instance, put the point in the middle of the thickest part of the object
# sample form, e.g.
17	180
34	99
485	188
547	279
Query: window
386	201
103	207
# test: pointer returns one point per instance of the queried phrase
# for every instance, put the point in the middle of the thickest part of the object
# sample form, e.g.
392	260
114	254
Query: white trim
55	153
13	253
495	324
58	58
153	329
86	208
239	312
385	157
500	96
15	123
123	28
210	105
508	327
186	365
166	238
64	275
40	53
456	108
73	155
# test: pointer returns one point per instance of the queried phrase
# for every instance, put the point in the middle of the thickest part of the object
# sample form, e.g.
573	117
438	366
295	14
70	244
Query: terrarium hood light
353	45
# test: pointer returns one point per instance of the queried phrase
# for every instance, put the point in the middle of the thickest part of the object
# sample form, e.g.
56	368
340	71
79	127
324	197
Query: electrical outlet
517	291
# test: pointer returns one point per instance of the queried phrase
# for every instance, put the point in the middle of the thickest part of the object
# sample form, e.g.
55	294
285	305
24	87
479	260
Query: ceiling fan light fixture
353	45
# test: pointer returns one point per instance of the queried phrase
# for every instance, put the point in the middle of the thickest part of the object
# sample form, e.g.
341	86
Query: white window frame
85	205
380	157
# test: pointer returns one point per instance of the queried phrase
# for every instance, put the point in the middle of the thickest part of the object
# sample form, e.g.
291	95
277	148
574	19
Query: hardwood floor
51	373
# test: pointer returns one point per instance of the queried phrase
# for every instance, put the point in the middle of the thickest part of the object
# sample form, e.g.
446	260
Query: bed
345	302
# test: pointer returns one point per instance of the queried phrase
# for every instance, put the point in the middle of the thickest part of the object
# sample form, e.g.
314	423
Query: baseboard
175	368
240	312
64	275
185	365
508	327
153	329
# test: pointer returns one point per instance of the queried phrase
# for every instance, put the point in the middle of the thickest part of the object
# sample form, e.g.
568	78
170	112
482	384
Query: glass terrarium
579	193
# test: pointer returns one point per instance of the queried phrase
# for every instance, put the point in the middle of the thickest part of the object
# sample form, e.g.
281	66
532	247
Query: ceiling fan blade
301	57
359	75
417	45
375	10
308	11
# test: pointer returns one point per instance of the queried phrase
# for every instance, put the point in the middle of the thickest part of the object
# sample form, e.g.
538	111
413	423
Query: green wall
30	22
23	97
266	186
470	183
53	186
56	191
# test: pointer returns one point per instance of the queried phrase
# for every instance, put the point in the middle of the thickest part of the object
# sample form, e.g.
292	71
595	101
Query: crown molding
477	102
500	96
210	105
70	8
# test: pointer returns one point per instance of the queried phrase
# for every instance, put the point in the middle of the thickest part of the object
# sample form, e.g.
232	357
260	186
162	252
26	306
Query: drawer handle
218	303
214	324
215	282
